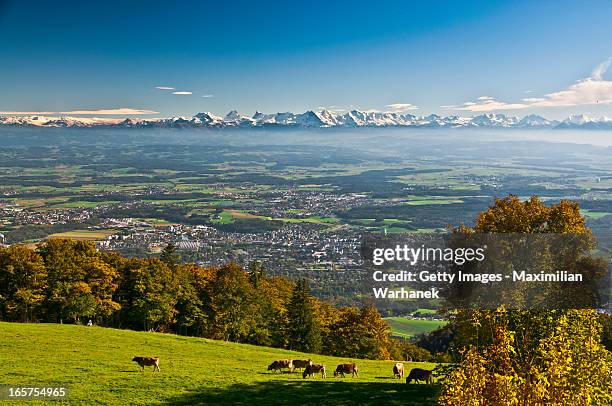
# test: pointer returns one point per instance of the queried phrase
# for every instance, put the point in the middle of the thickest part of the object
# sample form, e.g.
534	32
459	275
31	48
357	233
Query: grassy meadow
404	327
95	363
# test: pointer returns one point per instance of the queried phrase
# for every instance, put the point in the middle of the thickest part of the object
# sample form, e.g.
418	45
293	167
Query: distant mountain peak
323	118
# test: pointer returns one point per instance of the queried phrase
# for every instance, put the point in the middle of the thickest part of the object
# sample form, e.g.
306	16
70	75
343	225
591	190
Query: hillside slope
404	327
95	363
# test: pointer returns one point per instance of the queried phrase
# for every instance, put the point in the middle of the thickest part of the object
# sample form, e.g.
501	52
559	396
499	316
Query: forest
67	281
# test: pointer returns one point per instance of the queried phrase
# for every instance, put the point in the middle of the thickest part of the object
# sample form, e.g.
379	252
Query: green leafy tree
170	256
273	296
257	272
191	316
151	290
304	332
232	306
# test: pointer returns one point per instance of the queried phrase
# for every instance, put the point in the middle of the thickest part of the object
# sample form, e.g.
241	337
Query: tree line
68	281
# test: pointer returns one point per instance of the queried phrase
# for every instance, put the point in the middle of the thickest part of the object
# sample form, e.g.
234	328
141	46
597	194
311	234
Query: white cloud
101	112
182	93
488	104
208	95
164	88
332	109
120	111
592	90
28	113
402	106
600	69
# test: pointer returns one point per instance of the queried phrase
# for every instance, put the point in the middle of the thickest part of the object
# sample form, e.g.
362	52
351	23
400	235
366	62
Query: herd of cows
311	369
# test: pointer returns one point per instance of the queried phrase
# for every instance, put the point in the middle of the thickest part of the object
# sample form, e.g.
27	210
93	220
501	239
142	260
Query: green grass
594	214
403	327
225	217
95	363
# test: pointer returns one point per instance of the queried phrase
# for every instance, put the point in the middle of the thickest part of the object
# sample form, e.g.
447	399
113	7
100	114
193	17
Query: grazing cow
311	369
398	370
147	361
281	364
419	374
346	369
301	363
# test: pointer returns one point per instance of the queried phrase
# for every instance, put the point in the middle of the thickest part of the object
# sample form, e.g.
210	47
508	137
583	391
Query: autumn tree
360	333
530	356
23	279
80	283
232	306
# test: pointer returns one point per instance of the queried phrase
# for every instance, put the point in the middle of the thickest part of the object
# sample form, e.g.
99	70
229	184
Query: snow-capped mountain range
315	119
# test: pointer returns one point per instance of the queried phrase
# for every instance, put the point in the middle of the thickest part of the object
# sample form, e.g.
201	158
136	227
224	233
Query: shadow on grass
333	392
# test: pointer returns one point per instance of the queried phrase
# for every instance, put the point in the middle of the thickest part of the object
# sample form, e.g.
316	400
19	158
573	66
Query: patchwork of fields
298	203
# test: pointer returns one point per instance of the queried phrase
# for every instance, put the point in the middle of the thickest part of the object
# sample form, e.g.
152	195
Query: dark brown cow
419	374
147	361
398	370
301	363
346	369
281	364
312	369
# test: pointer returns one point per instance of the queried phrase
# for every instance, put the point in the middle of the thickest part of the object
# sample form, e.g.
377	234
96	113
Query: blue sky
518	57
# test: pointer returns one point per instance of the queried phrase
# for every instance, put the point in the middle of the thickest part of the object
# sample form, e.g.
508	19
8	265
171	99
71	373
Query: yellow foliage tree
527	356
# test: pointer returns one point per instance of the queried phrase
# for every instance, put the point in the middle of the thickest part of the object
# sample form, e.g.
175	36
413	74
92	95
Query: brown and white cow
147	361
280	364
419	374
398	370
301	363
312	369
346	369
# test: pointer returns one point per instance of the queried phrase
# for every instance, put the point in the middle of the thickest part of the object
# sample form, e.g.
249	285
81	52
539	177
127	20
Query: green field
594	214
403	327
95	363
87	235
